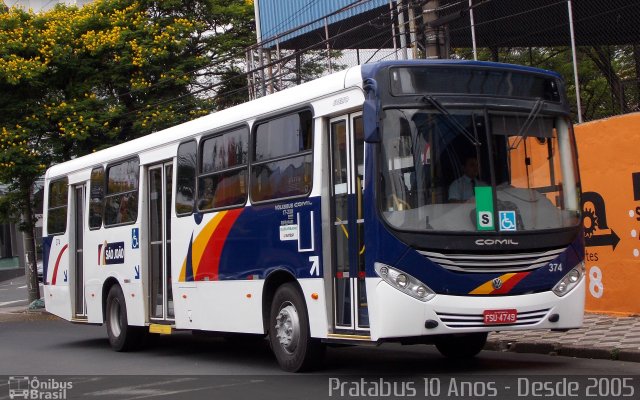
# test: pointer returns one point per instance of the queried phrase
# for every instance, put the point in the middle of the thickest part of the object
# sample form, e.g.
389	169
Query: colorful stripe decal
213	250
186	272
203	255
509	281
55	269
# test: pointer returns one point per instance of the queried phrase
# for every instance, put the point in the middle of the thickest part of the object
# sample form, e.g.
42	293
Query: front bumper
393	314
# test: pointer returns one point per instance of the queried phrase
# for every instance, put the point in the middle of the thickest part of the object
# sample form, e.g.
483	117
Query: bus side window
57	209
222	180
96	199
186	181
121	199
282	157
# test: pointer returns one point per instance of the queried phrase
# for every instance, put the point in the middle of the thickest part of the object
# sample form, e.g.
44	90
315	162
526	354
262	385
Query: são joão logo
111	253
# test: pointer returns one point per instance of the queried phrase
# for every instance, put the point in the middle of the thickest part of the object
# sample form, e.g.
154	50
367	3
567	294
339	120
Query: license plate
497	317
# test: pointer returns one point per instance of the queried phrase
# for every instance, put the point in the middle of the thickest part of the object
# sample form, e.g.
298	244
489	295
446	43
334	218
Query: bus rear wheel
289	334
460	346
122	336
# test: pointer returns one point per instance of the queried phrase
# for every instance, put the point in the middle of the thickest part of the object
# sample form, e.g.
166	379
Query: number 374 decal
555	267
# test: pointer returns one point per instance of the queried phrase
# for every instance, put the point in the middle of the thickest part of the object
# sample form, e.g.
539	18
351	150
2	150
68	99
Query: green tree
233	88
78	80
608	75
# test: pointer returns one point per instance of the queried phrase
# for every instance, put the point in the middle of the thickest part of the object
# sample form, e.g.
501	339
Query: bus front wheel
289	334
460	346
122	337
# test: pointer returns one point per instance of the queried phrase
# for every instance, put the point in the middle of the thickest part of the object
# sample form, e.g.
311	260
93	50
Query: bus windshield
439	170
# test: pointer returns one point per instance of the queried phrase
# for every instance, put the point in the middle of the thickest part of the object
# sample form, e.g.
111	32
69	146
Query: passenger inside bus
123	211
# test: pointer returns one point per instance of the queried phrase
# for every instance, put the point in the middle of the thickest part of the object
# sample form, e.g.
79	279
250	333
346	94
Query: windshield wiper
438	106
537	107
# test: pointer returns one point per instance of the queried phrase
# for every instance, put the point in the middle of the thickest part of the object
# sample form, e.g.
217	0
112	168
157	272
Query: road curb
584	352
537	348
629	355
610	353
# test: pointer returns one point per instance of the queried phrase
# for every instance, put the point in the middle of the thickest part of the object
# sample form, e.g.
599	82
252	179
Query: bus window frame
106	177
199	174
66	206
252	162
195	182
104	189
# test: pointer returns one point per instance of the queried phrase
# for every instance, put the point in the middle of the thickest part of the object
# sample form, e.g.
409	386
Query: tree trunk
31	273
298	68
602	59
495	54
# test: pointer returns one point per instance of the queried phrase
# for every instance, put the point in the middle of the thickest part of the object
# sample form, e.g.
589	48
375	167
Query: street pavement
601	337
13	293
182	365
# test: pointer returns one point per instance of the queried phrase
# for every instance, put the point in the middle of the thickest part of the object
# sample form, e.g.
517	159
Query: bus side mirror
370	112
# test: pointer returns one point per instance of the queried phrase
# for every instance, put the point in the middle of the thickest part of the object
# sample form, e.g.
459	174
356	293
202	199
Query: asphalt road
13	292
187	366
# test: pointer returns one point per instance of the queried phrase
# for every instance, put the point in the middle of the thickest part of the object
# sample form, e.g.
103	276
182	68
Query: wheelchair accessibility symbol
135	242
507	220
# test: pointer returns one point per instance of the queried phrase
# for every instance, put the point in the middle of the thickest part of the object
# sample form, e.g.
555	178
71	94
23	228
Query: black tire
461	346
122	336
289	335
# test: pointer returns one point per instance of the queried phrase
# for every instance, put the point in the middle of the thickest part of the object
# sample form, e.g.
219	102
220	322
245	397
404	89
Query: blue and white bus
403	201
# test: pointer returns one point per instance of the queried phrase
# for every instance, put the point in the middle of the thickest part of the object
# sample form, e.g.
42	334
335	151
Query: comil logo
496	242
24	387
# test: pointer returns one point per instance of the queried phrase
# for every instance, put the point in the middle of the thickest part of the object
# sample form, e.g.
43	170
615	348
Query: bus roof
286	99
370	70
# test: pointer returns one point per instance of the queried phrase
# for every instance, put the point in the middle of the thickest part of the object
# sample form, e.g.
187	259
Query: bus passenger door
78	236
347	236
160	294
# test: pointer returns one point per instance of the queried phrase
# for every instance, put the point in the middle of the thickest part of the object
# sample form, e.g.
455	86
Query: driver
462	189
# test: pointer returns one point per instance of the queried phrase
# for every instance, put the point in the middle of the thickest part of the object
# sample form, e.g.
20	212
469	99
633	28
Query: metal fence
593	43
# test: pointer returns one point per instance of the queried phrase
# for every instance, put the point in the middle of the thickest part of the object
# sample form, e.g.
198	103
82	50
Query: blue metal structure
277	17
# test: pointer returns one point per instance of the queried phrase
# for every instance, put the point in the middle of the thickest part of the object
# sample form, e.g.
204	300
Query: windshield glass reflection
442	171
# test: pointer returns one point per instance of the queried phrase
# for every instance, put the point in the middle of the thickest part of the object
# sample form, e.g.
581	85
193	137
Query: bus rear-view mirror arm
370	112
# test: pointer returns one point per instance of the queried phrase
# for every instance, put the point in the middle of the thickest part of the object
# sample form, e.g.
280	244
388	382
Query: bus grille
501	263
477	320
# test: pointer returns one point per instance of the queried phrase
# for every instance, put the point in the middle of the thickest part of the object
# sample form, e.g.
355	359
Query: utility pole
433	45
402	29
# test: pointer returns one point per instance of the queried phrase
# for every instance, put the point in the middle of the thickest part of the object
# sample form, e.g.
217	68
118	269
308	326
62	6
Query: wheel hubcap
288	327
114	319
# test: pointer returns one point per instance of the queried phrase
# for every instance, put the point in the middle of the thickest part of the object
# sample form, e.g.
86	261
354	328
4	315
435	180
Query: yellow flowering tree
75	80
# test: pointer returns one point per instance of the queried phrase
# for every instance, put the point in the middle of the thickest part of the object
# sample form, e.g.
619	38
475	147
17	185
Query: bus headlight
404	282
570	280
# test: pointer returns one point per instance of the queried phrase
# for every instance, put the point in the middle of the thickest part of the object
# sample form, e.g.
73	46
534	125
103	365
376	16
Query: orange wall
608	157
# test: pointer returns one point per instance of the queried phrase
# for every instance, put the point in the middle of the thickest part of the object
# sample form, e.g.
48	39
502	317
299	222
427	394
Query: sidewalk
602	336
21	313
